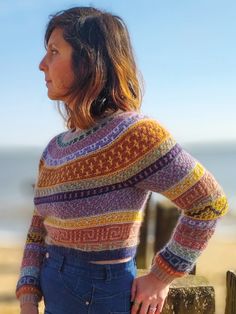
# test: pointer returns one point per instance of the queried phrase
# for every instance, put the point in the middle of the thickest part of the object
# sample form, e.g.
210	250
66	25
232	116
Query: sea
18	172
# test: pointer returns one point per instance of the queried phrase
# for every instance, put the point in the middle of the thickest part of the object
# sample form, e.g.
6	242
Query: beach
218	257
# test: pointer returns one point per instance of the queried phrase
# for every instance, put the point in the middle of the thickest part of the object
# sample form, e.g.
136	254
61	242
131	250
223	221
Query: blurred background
185	51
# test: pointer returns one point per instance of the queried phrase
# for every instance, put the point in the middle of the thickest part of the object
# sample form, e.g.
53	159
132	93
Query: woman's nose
42	64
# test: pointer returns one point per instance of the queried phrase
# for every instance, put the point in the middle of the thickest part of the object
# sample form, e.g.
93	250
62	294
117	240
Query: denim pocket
114	303
75	284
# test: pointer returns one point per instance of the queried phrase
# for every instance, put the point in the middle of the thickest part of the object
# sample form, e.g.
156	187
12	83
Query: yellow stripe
95	221
221	203
220	209
192	178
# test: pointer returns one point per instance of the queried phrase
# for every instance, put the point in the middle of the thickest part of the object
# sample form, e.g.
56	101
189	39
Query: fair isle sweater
91	191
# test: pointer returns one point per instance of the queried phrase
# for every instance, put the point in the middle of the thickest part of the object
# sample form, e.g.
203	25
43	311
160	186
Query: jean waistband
62	258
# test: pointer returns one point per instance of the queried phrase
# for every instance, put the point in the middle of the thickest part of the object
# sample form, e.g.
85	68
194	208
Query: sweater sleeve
28	284
166	168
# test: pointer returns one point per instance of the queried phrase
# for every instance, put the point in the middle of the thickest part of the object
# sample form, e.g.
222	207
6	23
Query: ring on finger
136	303
152	309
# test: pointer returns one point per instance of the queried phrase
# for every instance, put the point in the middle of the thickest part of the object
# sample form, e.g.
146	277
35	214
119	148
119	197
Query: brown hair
103	64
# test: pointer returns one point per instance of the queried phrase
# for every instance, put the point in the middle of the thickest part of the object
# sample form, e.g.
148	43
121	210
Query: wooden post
166	219
190	294
231	292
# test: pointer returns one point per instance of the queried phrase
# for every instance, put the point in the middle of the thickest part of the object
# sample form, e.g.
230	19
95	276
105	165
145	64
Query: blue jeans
72	286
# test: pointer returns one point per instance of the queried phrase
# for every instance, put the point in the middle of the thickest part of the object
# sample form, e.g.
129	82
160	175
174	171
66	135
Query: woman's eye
53	51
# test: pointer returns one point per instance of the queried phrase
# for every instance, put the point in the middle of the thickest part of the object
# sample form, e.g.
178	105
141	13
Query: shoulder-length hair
106	76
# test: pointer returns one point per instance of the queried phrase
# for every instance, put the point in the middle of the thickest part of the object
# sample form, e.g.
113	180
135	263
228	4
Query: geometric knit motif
91	191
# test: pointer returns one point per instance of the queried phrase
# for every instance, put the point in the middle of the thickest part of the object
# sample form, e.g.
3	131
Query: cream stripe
99	247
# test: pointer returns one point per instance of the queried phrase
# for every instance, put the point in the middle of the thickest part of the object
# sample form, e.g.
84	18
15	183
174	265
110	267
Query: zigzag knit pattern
91	192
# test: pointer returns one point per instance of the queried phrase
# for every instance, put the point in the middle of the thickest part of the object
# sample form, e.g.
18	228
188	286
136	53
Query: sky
185	50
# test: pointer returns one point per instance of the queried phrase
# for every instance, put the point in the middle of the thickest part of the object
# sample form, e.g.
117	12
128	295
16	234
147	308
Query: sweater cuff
163	272
161	275
29	298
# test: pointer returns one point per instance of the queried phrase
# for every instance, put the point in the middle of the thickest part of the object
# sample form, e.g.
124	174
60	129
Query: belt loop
108	273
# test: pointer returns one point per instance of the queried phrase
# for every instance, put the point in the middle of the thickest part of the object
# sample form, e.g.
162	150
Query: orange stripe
28	289
168	269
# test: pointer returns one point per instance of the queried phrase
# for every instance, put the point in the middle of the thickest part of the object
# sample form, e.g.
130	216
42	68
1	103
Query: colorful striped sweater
91	191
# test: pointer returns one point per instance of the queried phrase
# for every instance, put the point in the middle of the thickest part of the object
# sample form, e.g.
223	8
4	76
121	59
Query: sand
219	256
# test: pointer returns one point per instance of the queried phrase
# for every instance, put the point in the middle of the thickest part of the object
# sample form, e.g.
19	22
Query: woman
94	180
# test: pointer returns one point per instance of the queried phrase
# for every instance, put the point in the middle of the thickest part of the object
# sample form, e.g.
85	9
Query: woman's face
57	66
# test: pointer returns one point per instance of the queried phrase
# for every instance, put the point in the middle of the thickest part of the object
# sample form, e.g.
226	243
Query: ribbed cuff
162	275
29	298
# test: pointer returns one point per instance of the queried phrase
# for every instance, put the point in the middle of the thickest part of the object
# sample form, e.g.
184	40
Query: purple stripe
94	144
82	194
28	280
200	224
39	248
178	263
159	164
96	205
162	180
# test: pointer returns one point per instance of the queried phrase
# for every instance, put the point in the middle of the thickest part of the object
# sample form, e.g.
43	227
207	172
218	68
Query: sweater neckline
67	138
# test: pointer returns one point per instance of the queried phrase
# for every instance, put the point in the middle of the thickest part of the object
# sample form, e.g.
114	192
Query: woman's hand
29	308
148	294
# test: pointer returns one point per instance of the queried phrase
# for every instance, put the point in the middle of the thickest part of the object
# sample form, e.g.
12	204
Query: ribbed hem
162	275
29	298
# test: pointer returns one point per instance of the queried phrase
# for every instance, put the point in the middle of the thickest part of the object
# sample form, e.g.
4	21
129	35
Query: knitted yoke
91	191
